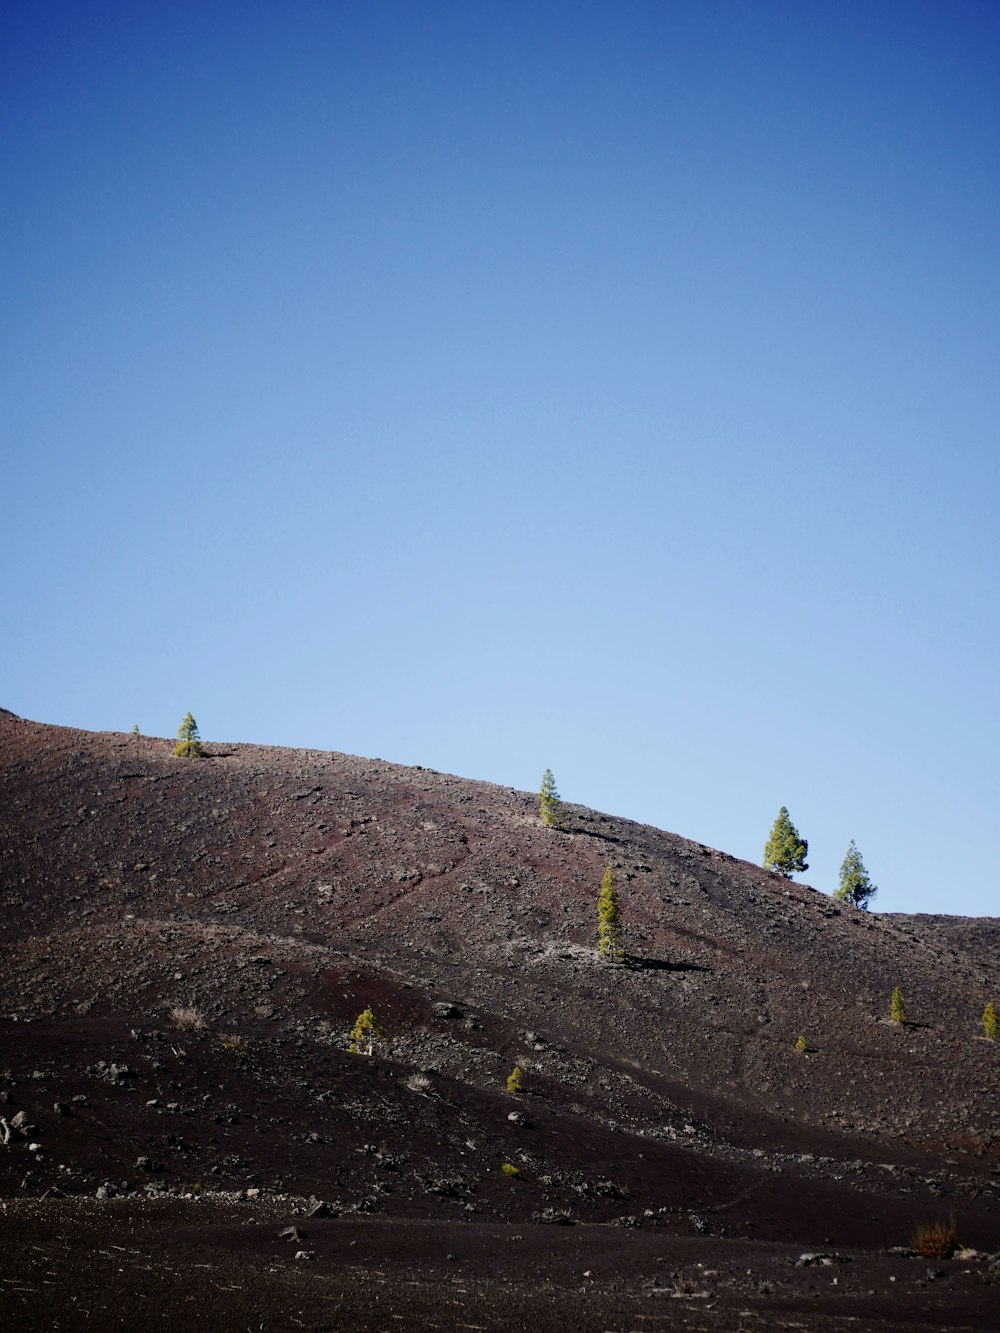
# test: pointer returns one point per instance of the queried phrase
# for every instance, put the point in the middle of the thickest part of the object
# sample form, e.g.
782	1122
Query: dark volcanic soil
690	1153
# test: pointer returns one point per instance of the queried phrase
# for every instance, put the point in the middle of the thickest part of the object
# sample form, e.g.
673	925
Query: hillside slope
279	892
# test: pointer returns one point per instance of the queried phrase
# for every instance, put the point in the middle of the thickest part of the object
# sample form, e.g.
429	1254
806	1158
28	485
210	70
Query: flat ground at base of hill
173	1264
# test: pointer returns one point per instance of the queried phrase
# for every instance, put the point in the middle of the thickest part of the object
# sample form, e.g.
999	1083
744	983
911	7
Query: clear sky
494	386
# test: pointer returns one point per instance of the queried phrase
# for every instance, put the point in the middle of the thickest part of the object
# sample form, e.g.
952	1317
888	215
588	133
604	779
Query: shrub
188	743
937	1241
365	1033
515	1080
417	1083
897	1010
232	1041
510	1170
801	1045
609	920
990	1021
685	1286
187	1016
549	805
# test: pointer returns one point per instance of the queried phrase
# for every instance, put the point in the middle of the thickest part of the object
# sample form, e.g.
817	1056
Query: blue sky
502	386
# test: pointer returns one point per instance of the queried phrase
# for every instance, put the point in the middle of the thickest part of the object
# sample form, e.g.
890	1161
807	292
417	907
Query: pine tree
550	807
188	744
365	1033
515	1080
990	1021
135	730
785	851
609	920
802	1046
855	885
897	1010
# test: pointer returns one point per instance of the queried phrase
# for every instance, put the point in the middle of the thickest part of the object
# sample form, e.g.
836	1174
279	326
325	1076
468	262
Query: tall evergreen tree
188	743
550	807
990	1021
785	851
897	1009
855	886
609	920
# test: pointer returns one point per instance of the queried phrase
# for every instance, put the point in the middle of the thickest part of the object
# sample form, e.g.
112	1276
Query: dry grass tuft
186	1016
939	1240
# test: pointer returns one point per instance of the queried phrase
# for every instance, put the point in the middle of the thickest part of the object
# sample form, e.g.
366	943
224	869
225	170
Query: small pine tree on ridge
855	884
550	807
785	851
188	743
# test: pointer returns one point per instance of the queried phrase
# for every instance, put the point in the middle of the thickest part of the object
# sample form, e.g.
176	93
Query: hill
187	943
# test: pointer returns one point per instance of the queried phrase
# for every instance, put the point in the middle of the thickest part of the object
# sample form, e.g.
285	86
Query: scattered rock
110	1073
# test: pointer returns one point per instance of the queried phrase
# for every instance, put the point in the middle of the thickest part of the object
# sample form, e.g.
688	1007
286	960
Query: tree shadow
638	964
594	833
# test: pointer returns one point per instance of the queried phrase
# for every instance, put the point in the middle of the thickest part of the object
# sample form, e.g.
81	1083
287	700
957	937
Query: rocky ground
185	944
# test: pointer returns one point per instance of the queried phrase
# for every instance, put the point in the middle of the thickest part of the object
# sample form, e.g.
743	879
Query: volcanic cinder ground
675	1156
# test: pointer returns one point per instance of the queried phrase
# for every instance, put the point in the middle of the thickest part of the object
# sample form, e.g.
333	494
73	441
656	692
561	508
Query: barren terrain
185	945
